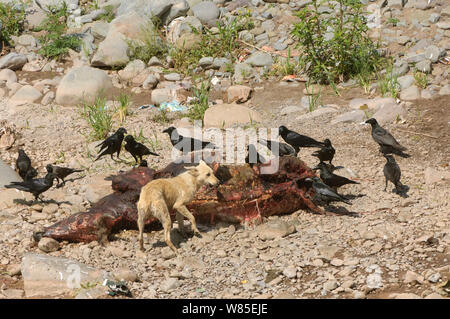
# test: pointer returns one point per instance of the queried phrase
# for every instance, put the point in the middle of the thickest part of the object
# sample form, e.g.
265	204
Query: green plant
221	44
98	117
421	79
201	101
393	21
161	117
285	66
388	83
122	110
313	96
109	14
12	20
55	44
336	46
149	46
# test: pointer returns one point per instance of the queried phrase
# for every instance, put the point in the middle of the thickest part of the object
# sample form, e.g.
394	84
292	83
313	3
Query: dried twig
416	133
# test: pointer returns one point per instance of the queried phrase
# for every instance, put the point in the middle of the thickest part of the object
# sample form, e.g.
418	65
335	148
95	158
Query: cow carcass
245	195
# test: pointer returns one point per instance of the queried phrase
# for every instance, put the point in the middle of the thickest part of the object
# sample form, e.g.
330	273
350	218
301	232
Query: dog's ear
192	170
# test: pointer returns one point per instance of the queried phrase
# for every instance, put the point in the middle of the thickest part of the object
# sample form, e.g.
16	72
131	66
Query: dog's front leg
186	213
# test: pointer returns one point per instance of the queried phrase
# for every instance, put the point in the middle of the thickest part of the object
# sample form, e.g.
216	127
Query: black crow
35	186
326	153
283	148
296	140
186	144
112	144
137	149
383	137
253	157
386	150
143	163
330	178
325	193
62	172
392	173
23	164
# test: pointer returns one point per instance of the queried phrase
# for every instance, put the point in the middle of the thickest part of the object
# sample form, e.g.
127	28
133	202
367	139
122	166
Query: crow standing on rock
62	172
186	144
325	193
35	186
112	144
283	148
326	153
297	140
137	149
392	173
332	179
388	144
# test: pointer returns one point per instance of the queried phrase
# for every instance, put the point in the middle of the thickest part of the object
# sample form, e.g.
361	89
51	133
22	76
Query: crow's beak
166	130
315	168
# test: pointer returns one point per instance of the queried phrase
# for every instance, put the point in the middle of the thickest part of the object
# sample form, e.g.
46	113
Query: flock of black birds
325	187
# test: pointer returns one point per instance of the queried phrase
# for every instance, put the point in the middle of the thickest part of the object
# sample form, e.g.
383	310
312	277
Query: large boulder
182	25
7	175
226	115
113	50
26	94
51	276
13	61
166	10
82	83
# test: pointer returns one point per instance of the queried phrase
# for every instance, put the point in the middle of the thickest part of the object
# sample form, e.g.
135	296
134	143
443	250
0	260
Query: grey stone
434	17
58	3
97	187
13	61
260	59
51	276
268	26
242	71
132	70
26	94
410	94
433	53
206	11
356	116
48	245
7	175
112	51
150	82
172	77
169	284
8	76
424	66
226	115
330	285
99	29
445	25
82	83
400	68
374	281
415	58
445	90
290	272
405	81
48	98
274	229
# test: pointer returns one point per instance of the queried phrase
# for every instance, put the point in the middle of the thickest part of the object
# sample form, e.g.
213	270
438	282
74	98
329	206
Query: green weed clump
201	101
336	46
98	116
56	44
12	20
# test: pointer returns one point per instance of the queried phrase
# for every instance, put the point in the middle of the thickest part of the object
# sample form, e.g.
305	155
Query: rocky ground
382	246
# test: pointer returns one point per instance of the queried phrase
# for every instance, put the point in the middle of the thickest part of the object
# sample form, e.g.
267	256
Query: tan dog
160	196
